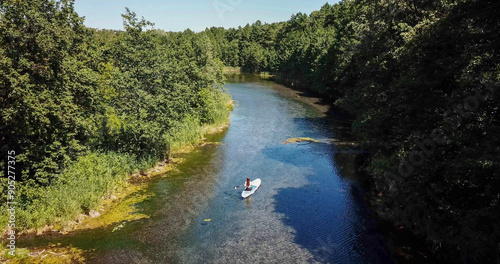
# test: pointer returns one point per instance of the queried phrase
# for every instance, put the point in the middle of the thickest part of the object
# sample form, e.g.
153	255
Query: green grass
78	189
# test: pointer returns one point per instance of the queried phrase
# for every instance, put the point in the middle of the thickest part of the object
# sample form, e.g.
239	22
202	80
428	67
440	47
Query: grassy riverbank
83	185
239	70
109	199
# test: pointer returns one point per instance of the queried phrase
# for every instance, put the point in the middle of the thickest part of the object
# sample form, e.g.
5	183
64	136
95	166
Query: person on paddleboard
247	185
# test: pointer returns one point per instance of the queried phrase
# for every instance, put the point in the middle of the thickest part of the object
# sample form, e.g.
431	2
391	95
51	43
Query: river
309	208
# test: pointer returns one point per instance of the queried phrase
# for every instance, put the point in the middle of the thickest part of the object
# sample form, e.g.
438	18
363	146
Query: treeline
422	80
83	108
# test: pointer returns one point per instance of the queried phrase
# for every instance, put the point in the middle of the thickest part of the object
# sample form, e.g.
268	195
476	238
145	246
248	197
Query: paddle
236	187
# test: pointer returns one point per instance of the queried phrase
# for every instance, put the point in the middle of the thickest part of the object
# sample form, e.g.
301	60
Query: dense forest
83	108
421	80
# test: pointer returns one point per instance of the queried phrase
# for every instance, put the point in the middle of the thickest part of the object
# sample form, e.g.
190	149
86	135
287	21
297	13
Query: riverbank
232	70
116	208
239	70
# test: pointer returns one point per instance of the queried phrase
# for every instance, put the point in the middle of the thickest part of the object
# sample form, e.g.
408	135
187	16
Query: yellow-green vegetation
232	69
266	75
117	209
299	139
52	254
20	254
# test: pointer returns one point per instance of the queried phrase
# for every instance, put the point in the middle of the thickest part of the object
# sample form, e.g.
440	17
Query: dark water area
309	208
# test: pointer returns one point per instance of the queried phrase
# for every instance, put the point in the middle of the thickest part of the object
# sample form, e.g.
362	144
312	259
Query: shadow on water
330	232
328	215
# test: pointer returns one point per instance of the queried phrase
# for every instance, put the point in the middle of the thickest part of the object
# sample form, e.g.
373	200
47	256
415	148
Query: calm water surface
309	208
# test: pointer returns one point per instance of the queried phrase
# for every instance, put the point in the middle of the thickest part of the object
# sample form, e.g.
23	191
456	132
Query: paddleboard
255	185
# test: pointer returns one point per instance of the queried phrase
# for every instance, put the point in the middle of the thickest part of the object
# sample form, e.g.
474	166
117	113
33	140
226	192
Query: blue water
306	211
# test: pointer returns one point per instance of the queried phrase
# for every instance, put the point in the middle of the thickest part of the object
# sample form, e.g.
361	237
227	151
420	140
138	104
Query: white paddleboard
255	185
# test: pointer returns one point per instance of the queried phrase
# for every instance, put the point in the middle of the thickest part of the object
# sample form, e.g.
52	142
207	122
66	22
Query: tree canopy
419	78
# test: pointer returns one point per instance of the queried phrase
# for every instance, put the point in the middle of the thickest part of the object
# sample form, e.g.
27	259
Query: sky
178	15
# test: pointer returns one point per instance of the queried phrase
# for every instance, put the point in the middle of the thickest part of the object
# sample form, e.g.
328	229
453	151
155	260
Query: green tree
44	90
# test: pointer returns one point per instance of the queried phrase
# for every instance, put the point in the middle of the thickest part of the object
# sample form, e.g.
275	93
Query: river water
309	208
